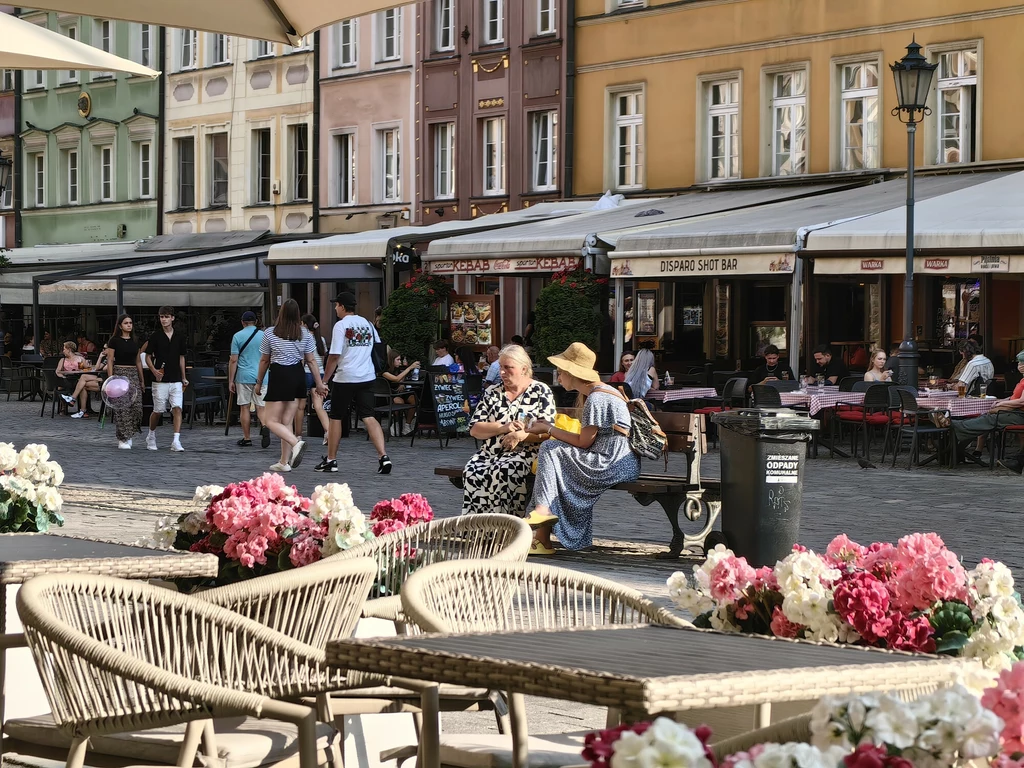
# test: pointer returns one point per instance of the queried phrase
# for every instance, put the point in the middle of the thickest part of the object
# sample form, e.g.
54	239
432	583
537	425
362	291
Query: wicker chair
398	554
118	656
489	596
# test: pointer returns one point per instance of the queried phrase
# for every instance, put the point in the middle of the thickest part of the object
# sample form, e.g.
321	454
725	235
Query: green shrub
409	322
568	310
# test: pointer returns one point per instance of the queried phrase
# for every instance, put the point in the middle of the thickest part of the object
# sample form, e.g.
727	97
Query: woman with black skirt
284	348
123	359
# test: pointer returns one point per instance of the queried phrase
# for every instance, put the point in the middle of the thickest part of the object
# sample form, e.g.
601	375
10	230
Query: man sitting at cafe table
978	365
772	370
1003	413
826	364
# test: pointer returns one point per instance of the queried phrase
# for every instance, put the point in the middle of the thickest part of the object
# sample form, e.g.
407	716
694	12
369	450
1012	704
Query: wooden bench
699	499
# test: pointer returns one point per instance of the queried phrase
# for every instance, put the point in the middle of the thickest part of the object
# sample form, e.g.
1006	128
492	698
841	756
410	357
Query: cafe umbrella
282	21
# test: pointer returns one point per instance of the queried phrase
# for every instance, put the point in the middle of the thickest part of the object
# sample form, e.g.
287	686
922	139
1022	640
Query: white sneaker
279	467
79	415
68	399
151	441
297	450
124	445
176	447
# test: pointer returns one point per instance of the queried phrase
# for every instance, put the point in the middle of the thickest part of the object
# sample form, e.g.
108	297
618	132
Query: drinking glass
961	389
933	380
983	389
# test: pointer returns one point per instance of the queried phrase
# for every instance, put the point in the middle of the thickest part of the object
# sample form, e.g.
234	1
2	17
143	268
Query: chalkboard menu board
449	393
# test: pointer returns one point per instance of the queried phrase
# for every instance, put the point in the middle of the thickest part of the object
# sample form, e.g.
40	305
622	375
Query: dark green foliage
567	311
409	322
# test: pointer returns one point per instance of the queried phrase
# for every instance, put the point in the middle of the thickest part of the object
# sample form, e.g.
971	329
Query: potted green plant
568	310
409	322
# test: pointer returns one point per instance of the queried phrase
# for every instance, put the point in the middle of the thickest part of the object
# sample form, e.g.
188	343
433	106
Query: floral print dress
494	479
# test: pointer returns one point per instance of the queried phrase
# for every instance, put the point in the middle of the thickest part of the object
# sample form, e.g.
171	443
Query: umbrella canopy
30	46
283	21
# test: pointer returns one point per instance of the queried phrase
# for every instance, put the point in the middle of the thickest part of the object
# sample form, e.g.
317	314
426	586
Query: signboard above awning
504	266
706	266
923	265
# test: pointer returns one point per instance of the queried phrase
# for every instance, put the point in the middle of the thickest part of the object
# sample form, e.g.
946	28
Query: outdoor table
640	670
24	555
683	393
818	401
959	407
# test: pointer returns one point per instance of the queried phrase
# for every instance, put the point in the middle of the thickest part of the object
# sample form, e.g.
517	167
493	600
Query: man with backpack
242	369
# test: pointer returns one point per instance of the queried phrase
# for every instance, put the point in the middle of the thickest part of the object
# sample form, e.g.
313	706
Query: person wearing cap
494	479
351	370
1006	412
573	470
242	368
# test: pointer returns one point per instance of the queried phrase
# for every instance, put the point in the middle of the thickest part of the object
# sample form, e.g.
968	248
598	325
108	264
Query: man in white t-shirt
441	356
350	370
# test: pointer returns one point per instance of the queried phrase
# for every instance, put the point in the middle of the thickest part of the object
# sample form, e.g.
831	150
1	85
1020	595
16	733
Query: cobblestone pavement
118	495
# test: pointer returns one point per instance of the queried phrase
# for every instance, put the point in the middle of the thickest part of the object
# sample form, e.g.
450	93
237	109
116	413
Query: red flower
350	333
866	756
431	291
862	600
572	285
408	285
914	634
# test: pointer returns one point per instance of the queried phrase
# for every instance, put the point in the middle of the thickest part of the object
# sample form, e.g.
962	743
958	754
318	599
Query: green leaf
42	519
950	643
703	621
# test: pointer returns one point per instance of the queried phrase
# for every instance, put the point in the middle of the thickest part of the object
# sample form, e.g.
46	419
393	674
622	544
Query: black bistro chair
915	422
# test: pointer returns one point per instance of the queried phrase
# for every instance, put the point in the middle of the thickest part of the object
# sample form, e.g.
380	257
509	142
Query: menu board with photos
473	320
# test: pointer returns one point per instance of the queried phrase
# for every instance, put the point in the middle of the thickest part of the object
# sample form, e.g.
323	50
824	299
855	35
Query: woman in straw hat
495	476
574	470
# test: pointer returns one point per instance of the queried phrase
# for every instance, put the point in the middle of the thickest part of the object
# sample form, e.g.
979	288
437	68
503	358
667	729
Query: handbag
646	437
379	355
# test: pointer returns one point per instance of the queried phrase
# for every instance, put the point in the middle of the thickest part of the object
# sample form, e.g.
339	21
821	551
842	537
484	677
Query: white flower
893	722
331	500
687	597
8	457
795	755
194	522
21	488
31	455
205	494
162	537
666	744
54	473
975	676
980	737
991	580
50	498
991	647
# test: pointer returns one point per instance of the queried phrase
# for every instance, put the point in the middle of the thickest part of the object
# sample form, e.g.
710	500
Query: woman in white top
284	348
319	353
877	370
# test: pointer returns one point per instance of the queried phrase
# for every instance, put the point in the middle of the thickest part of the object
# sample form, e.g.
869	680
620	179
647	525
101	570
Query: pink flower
597	745
764	578
842	551
743	757
1006	699
911	634
880	560
866	756
305	551
929	577
783	627
862	601
729	578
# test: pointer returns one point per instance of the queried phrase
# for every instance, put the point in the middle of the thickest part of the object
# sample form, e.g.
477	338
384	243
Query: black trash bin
762	480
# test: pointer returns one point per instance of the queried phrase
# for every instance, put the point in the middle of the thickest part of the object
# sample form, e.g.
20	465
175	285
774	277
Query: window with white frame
144	157
859	115
261	168
389	152
494	21
105	180
7	198
628	139
69	31
187	49
7	80
142	44
547	18
70	167
217	146
262	49
305	43
185	162
629	3
444	23
298	141
35	78
544	150
444	160
346	43
722	129
220	49
103	38
389	35
789	122
37	179
345	148
494	155
957	99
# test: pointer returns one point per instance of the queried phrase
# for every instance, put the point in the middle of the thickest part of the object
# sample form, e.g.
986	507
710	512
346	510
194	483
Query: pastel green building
89	141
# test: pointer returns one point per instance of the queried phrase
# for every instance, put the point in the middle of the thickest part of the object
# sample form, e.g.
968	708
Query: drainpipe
37	315
620	317
120	294
569	119
17	199
315	155
162	134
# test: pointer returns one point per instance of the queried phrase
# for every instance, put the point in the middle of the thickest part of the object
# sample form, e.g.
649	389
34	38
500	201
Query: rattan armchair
490	596
399	554
117	656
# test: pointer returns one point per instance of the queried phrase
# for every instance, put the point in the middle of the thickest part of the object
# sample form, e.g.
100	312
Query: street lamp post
5	175
913	75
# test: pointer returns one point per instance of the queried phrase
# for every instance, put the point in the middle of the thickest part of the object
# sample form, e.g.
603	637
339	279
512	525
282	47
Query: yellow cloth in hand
567	423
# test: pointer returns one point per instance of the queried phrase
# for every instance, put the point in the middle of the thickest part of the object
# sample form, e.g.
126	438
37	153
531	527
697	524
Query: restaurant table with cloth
639	670
959	407
24	555
683	393
819	401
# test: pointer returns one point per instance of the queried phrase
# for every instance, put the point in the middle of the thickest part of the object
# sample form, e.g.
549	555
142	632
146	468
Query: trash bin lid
750	421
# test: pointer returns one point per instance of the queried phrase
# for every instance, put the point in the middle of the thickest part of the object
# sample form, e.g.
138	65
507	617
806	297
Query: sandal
536	548
536	519
244	442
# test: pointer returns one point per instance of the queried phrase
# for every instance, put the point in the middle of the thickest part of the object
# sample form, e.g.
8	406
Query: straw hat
577	360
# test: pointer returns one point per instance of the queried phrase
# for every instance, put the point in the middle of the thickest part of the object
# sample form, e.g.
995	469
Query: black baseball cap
346	299
248	317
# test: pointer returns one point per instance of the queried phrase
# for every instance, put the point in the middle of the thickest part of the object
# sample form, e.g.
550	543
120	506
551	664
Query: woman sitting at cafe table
495	476
573	470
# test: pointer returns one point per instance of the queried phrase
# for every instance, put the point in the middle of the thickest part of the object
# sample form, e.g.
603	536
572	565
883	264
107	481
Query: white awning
371	246
760	240
550	246
923	265
979	215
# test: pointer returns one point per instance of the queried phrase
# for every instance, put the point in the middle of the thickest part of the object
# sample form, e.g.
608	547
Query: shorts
245	395
166	394
309	381
287	382
344	394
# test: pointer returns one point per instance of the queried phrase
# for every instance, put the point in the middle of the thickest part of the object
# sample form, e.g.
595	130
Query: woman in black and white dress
285	347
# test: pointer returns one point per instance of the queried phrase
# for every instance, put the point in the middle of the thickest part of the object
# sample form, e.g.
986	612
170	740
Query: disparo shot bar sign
781	469
700	266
